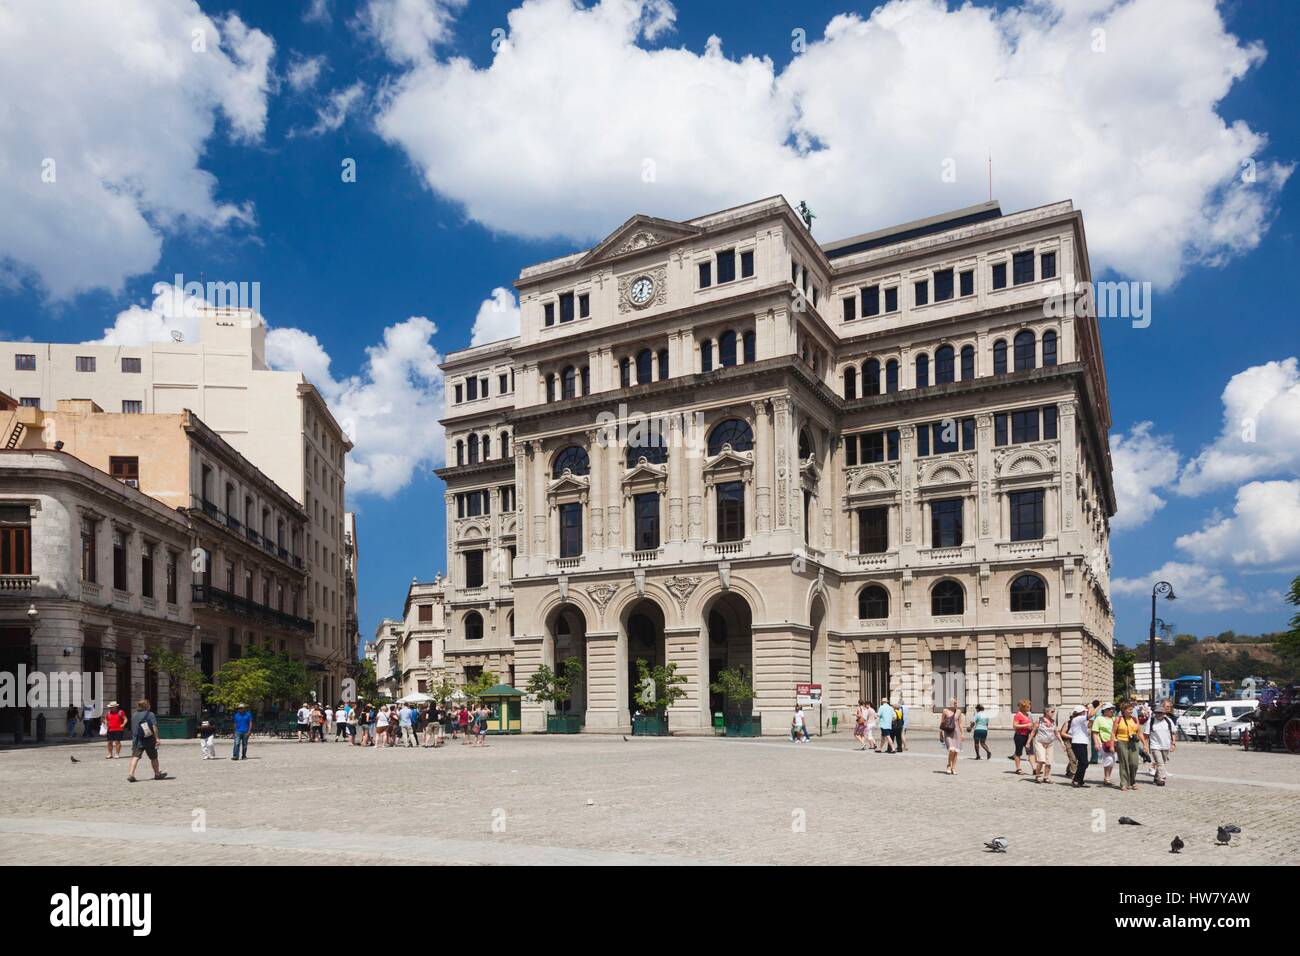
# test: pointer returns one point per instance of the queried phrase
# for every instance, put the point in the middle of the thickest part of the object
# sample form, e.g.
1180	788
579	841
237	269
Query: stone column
522	501
598	495
537	464
677	465
763	467
614	455
786	452
695	499
607	710
688	647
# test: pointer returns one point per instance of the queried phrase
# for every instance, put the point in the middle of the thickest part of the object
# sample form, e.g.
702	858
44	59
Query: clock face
643	289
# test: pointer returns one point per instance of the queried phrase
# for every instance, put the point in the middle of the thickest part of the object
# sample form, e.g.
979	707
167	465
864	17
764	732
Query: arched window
644	367
871	377
891	375
510	623
967	362
625	373
850	382
473	449
505	444
550	388
663	364
999	357
922	370
487	447
805	445
748	340
586	380
1049	348
1028	593
727	348
574	459
473	626
873	603
945	369
568	382
733	432
1024	349
649	444
460	451
947	597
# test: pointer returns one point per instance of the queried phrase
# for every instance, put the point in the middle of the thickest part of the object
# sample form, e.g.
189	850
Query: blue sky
477	153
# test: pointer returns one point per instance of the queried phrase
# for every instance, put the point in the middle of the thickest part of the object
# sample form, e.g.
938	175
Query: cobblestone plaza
606	800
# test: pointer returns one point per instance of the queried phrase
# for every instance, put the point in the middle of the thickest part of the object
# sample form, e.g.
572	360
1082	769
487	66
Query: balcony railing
209	596
17	582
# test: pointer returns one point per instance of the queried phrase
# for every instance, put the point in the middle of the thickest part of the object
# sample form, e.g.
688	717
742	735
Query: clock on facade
641	291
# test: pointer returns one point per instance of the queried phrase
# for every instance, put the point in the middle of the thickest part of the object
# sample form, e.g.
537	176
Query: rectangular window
1000	429
873	447
130	365
570	530
850	449
922	440
891	299
949	669
967	281
968	434
891	443
29	402
15	540
747	263
1047	265
85	363
132	408
584	308
146	570
89	549
125	470
24	362
871	300
999	275
850	308
1024	426
119	560
426	650
646	516
945	436
1026	515
726	266
731	511
171	567
548	313
922	288
471	389
424	613
1029	676
945	523
1049	422
460	396
566	306
503	384
706	274
473	569
943	285
1022	268
873	530
873	676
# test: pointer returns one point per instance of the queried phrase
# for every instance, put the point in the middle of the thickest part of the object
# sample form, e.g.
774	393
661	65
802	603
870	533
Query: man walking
144	740
405	718
243	727
885	714
304	716
1160	738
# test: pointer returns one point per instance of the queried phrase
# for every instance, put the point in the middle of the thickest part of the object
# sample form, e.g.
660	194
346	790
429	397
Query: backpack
948	722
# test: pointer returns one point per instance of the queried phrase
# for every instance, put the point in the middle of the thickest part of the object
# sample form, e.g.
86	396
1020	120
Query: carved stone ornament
682	587
638	240
602	594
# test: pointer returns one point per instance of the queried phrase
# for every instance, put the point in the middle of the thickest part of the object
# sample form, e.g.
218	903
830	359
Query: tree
443	690
666	685
286	677
367	682
182	675
1288	643
735	686
1123	681
241	681
555	686
475	688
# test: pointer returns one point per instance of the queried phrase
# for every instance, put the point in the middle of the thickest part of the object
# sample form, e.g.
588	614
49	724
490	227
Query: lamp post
1167	590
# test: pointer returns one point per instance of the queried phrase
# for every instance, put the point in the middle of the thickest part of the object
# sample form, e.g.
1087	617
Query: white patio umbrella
418	697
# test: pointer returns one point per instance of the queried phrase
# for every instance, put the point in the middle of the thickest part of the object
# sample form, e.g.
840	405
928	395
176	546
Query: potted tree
556	687
657	688
738	692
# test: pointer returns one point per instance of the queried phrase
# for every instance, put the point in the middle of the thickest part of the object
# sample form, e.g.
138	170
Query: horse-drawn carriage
1276	721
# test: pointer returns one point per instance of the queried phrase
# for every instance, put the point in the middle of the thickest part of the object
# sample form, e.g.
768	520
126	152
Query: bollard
40	728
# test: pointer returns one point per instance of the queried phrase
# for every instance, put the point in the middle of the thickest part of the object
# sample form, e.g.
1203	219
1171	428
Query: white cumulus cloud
109	111
576	121
1263	530
1143	465
407	30
1196	586
497	318
172	311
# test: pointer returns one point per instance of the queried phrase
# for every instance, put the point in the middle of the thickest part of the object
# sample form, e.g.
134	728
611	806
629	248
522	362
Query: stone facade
878	465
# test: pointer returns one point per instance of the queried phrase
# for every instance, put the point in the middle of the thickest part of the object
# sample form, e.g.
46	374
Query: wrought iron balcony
205	594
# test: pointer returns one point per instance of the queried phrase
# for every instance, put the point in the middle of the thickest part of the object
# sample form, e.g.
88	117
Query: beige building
94	578
277	420
879	465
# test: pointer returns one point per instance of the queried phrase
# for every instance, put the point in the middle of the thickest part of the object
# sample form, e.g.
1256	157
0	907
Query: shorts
116	736
1043	750
981	735
148	748
1021	740
302	728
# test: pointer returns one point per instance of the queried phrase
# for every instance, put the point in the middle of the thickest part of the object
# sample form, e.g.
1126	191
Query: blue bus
1185	691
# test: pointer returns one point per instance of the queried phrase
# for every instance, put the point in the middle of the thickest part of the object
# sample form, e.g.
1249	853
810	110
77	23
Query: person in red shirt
1021	722
116	719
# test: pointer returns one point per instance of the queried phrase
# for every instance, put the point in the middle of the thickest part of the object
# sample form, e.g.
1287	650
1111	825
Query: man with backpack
1161	733
886	715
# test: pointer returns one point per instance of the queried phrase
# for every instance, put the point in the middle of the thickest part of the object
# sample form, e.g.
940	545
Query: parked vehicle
1198	720
1230	731
1277	722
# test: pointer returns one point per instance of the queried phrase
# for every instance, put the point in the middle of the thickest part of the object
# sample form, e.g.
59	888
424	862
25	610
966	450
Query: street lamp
1167	590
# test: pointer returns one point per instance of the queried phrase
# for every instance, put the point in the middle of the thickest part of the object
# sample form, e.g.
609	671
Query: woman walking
860	724
1021	724
1045	732
1103	738
950	733
979	726
873	725
1129	739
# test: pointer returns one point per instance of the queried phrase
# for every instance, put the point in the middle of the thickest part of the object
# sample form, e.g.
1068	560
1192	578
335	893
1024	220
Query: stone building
94	578
276	419
878	465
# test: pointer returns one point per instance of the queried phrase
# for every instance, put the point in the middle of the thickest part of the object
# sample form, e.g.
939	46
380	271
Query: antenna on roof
990	176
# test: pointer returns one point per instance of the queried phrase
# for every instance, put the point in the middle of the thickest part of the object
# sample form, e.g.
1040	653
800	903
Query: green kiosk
506	705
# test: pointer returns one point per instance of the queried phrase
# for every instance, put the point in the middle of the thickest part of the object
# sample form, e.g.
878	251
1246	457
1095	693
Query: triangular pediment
644	471
728	459
568	482
638	233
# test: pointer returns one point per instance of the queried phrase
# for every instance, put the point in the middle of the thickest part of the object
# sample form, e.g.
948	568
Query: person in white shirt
799	728
1160	738
1080	737
304	722
329	719
381	728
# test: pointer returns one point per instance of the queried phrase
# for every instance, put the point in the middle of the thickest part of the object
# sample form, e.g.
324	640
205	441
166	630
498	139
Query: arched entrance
644	626
729	626
567	629
819	668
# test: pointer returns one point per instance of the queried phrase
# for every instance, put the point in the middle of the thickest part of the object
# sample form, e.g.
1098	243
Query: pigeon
997	845
1176	845
625	738
73	759
1232	828
1224	836
1129	822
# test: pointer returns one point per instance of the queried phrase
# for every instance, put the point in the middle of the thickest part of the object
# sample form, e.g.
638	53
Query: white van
1196	718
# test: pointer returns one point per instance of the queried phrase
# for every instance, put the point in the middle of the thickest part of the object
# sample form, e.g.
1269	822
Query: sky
382	169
